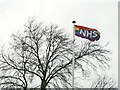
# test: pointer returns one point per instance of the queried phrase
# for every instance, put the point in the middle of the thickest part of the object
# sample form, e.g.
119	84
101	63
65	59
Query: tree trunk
43	89
43	85
25	88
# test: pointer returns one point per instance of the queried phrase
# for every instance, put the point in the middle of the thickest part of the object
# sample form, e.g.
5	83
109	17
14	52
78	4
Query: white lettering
83	32
89	34
95	34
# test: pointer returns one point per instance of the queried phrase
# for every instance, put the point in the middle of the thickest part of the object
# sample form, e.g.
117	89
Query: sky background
99	14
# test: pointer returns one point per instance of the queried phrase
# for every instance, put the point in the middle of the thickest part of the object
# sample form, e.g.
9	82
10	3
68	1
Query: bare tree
103	83
45	52
14	69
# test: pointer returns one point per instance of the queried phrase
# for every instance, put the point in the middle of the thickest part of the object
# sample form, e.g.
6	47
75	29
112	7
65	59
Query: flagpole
73	62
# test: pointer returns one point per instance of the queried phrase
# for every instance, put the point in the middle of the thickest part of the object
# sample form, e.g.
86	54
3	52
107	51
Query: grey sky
99	14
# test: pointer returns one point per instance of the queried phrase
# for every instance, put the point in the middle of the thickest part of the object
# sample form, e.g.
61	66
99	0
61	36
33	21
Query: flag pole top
73	22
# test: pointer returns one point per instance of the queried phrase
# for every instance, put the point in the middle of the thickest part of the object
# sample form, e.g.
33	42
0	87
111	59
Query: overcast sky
99	14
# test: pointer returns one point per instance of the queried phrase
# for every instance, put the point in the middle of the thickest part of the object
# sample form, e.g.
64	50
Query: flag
88	33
